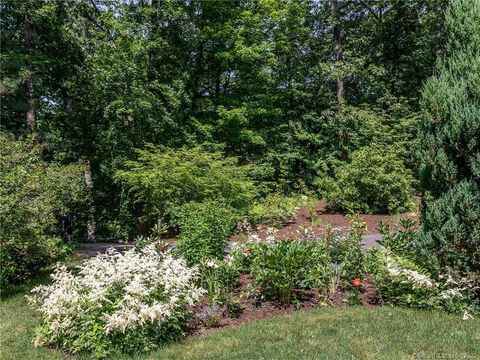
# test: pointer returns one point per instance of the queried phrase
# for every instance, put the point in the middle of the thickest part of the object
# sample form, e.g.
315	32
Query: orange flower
357	282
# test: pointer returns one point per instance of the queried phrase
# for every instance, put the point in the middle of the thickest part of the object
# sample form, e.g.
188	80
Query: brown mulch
255	309
324	220
335	221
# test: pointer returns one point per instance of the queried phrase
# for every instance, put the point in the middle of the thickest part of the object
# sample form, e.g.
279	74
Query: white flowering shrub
117	302
460	294
400	281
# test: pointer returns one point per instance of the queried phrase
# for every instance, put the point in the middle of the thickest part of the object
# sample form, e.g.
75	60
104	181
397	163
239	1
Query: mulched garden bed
255	309
334	220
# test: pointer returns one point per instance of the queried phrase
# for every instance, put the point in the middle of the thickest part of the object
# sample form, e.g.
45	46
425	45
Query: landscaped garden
240	179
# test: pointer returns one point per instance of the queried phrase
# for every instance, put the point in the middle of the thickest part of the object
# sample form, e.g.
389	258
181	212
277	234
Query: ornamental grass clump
116	303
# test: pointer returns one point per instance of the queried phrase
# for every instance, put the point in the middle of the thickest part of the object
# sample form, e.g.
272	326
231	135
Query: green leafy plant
401	241
163	180
400	281
204	230
33	195
234	308
280	268
219	278
346	250
274	209
374	181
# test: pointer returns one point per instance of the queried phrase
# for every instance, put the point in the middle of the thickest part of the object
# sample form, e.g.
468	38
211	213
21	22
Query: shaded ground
87	250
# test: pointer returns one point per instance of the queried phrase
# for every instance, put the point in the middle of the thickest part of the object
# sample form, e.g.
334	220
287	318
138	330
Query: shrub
23	259
346	251
283	266
405	242
400	241
375	181
163	180
274	209
116	303
400	281
204	230
451	228
449	150
33	194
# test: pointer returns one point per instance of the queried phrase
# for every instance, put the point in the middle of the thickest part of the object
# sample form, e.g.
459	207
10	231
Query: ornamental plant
374	181
219	278
346	251
116	303
449	145
162	180
204	230
281	267
401	281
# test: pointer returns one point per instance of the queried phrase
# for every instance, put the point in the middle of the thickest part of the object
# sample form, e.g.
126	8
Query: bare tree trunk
32	101
337	38
90	214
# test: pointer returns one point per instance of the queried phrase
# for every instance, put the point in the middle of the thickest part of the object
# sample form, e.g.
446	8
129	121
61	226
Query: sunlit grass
326	333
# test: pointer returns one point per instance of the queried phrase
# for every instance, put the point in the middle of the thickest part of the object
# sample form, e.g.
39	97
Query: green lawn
327	333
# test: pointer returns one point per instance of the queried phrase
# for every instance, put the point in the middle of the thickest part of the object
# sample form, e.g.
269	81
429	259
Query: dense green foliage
204	230
450	144
163	180
406	273
280	269
190	118
275	209
375	181
258	79
34	194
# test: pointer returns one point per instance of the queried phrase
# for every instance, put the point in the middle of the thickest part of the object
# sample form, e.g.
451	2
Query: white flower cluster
457	287
417	279
127	290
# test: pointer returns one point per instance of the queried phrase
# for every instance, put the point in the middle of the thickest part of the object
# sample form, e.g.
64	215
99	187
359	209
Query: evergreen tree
449	140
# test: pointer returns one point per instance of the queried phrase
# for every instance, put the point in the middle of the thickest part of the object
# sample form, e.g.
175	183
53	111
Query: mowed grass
326	333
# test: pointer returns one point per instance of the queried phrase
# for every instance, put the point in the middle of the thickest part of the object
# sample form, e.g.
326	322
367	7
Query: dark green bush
451	228
449	145
204	230
375	181
33	193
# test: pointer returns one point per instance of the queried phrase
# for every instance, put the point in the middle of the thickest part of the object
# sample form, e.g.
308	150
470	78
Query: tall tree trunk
337	38
32	101
89	207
